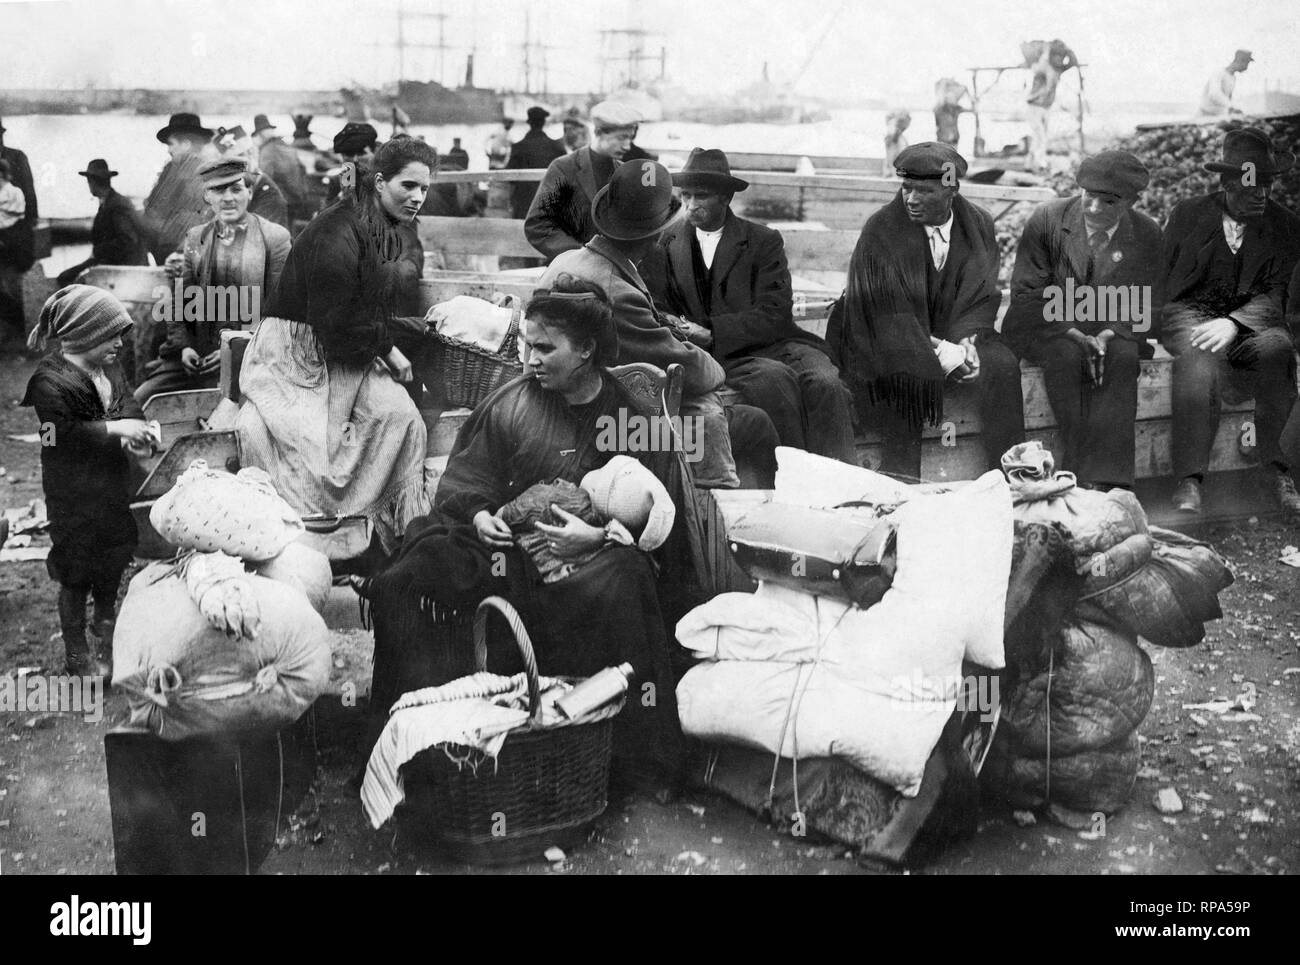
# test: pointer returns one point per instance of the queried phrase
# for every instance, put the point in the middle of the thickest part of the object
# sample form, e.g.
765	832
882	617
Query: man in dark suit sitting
1083	295
727	278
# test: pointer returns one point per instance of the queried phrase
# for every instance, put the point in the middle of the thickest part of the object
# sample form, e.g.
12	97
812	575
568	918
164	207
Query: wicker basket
469	372
548	783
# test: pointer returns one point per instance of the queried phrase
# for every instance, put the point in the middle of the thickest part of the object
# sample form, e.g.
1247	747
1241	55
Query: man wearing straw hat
116	237
1228	258
728	280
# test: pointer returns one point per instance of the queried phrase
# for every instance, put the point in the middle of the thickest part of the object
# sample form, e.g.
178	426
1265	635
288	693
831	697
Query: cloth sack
473	320
303	568
183	678
1089	781
241	514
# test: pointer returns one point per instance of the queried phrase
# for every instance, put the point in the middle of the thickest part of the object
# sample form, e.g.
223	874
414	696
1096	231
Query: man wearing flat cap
116	237
175	204
1228	257
1084	294
559	218
1216	98
918	314
727	278
533	150
356	144
226	268
628	214
265	198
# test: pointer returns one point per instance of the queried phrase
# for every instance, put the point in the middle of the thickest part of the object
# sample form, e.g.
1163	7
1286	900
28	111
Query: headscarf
79	317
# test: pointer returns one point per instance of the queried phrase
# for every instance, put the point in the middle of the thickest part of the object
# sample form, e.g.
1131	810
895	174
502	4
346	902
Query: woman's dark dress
616	608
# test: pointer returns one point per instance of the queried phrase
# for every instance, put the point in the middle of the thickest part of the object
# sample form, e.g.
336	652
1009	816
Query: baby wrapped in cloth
622	496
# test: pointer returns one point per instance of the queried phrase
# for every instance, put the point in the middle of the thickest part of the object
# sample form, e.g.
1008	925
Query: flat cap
537	114
615	114
355	138
221	171
929	161
1115	172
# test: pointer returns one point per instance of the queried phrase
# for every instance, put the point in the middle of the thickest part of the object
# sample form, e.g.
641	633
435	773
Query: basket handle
525	645
510	344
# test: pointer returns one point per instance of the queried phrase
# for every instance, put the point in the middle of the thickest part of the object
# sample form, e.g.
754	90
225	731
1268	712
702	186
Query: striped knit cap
80	317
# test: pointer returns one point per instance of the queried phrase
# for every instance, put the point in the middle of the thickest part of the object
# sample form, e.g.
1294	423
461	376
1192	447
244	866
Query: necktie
938	249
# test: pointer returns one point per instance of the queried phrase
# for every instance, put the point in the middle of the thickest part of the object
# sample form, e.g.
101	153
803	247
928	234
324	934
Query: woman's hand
398	365
133	432
574	538
492	530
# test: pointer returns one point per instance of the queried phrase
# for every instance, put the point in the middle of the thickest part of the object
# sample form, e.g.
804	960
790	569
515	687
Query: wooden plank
475	236
448	284
129	284
178	413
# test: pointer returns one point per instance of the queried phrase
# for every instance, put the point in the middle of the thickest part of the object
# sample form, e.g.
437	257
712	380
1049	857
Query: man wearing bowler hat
226	267
533	150
116	237
629	213
175	204
1228	257
918	314
728	280
1084	294
280	163
559	218
1216	98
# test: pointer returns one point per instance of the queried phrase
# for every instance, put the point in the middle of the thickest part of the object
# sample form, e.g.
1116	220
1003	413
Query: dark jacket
1054	248
268	201
1194	238
265	250
175	205
117	238
560	216
533	150
18	241
280	163
350	305
84	471
750	304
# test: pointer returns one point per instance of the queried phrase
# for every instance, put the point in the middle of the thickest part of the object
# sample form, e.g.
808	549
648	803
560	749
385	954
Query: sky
1140	51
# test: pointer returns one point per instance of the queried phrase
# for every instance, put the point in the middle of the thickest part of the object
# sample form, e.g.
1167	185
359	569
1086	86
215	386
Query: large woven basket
469	372
548	783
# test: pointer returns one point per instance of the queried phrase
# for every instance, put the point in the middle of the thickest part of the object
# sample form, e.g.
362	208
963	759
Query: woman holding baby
594	589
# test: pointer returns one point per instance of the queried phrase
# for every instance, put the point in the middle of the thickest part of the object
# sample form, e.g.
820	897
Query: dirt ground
1238	779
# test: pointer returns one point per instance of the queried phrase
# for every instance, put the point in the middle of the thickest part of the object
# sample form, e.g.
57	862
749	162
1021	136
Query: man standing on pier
560	216
1216	98
1228	257
533	150
919	312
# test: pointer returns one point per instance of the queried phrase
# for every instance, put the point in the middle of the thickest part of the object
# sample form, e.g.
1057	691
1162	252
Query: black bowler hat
98	168
708	169
637	202
184	124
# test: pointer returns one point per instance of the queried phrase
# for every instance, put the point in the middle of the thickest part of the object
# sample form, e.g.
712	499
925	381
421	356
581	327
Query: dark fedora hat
97	168
708	169
184	124
260	124
637	202
1251	146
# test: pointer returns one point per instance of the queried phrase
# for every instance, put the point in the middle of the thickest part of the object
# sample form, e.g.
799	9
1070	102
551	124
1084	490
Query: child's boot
72	620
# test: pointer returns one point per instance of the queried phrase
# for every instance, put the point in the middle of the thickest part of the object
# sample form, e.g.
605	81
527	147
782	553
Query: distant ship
426	102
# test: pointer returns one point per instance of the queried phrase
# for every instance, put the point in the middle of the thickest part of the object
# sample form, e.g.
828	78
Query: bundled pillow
241	514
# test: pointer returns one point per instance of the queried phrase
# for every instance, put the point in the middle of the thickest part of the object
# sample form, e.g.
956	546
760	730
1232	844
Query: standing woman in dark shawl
548	424
323	411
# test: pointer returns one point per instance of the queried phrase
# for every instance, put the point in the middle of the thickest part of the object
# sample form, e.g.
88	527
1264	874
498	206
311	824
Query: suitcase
203	806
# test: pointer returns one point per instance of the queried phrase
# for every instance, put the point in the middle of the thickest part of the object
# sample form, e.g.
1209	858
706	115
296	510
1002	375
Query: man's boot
72	619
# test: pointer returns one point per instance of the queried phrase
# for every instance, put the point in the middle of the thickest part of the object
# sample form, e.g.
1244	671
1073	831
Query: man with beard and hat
175	205
280	163
226	267
919	310
560	216
265	198
116	237
533	150
1228	257
727	278
628	214
1216	98
1077	252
